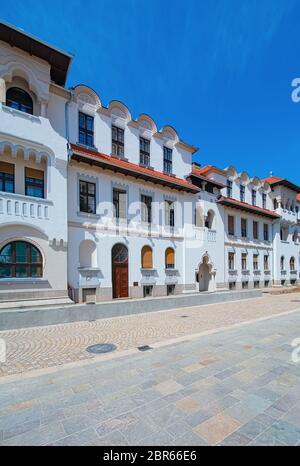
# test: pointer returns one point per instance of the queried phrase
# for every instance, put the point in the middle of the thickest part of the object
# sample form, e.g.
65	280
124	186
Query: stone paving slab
56	345
247	393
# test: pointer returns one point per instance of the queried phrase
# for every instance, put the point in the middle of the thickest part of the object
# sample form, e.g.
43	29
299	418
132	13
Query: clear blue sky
219	71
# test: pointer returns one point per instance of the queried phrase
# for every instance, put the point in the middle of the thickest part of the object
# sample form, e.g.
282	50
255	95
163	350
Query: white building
101	205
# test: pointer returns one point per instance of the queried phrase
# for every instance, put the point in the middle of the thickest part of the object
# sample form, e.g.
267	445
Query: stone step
20	318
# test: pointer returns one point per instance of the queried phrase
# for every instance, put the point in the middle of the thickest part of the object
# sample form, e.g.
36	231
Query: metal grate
144	348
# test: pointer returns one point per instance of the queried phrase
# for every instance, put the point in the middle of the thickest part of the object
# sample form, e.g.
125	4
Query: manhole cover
101	348
144	348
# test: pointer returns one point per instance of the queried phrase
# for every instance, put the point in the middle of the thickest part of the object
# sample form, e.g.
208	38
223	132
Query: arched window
88	254
282	263
170	258
19	99
147	257
20	259
292	263
209	221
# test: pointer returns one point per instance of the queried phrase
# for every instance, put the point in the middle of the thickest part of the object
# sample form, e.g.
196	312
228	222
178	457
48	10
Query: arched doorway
203	277
206	274
119	264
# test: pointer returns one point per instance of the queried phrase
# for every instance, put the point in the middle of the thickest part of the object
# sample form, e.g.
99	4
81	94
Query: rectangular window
266	232
117	141
231	260
266	262
245	285
148	291
87	194
244	261
244	227
242	193
253	196
267	283
264	200
232	285
146	208
145	152
86	129
170	213
7	177
167	160
255	230
229	188
34	182
256	284
230	225
170	290
255	261
119	203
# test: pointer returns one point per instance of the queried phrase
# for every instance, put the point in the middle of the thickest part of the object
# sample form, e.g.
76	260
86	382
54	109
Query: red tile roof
197	172
128	168
298	197
248	207
208	169
272	179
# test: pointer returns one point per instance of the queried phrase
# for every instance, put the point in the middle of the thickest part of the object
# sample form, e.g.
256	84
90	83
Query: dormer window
242	193
86	130
20	100
144	152
117	141
167	160
253	197
264	200
229	188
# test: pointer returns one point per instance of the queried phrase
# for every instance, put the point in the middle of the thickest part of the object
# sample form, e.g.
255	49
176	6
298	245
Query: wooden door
120	271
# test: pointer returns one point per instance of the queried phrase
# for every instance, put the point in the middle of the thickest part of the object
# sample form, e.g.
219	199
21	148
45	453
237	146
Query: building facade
98	205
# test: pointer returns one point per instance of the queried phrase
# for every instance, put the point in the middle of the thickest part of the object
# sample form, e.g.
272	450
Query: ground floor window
267	283
256	284
282	282
170	290
293	282
148	291
232	285
20	259
244	285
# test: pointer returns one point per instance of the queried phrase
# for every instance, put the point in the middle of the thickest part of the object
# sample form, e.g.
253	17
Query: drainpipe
67	119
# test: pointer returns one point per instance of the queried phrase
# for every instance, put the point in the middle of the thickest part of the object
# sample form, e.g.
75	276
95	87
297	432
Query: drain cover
144	348
101	348
183	316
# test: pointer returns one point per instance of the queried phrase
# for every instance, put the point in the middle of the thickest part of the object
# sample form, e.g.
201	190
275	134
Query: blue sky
219	71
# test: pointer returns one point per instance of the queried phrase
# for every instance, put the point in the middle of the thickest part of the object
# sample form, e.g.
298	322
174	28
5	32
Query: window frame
231	232
32	182
229	185
29	263
254	197
144	153
117	143
146	200
84	130
21	107
168	160
244	227
87	195
255	229
7	178
116	203
242	193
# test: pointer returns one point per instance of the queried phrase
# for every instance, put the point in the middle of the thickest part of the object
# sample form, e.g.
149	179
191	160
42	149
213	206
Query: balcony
211	236
25	208
288	215
246	272
256	272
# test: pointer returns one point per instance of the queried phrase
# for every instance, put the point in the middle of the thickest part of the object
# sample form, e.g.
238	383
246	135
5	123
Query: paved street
235	387
36	348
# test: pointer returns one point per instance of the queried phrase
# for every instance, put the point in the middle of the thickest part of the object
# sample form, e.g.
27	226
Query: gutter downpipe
70	289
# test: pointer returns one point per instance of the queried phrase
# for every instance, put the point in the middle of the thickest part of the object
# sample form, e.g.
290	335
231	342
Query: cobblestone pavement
41	347
236	387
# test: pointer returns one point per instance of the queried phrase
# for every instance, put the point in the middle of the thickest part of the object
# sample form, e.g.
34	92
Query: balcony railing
17	205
